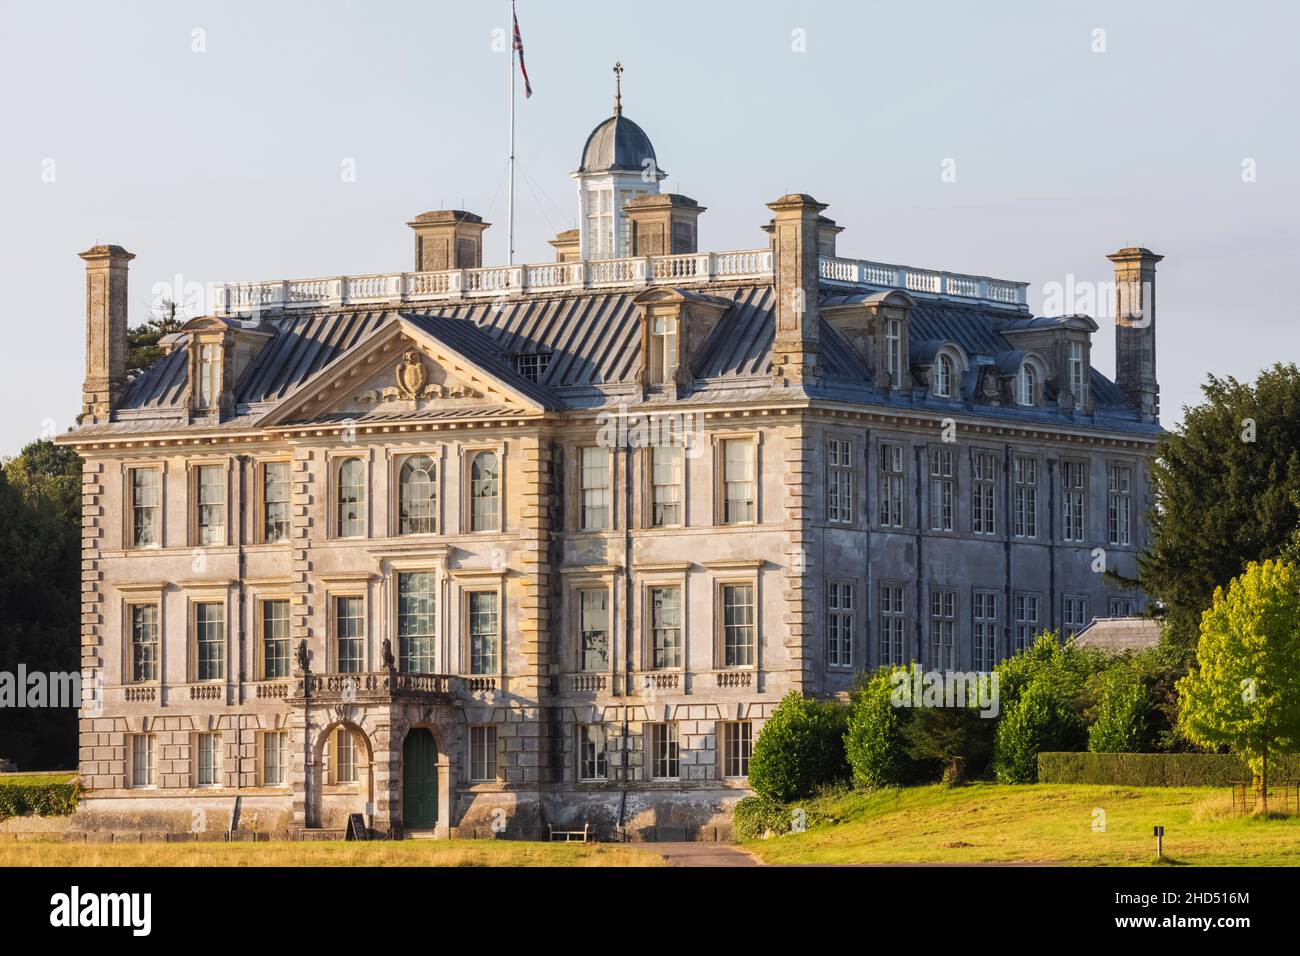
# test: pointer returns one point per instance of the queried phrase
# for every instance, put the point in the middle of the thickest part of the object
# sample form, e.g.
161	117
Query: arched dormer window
1027	385
484	492
351	498
417	496
941	383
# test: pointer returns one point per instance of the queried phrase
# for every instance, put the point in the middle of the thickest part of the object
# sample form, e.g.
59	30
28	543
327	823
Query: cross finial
618	89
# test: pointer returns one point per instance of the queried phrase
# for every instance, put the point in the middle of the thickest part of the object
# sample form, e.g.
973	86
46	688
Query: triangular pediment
402	369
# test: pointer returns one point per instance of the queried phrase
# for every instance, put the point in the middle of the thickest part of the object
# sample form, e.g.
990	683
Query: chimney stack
448	239
1135	328
796	230
663	224
106	268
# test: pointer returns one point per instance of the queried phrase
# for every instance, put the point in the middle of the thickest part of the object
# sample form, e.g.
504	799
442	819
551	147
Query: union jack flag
519	48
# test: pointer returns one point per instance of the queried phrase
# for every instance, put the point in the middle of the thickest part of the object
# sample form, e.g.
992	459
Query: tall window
275	758
894	352
210	502
1119	509
943	627
275	501
484	492
1073	499
738	625
943	374
593	629
666	627
591	752
482	753
209	384
892	624
144	643
665	762
890	492
210	641
1078	371
1026	496
146	507
984	470
985	617
942	486
142	760
1075	613
600	224
839	480
663	349
665	486
345	756
416	622
1026	620
1026	385
593	482
351	498
417	496
275	639
737	747
738	482
839	624
484	633
207	772
350	634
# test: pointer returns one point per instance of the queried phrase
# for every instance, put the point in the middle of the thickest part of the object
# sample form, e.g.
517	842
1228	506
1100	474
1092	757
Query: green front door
419	780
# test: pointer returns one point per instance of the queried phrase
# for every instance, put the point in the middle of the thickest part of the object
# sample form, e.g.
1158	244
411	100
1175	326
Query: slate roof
593	341
1115	635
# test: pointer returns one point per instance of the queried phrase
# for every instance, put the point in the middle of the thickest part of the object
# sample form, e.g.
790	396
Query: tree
40	609
142	341
801	747
1227	490
1245	691
1121	721
874	742
958	739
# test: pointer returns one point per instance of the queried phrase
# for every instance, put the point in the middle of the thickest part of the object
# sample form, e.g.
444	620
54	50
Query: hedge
1158	770
43	800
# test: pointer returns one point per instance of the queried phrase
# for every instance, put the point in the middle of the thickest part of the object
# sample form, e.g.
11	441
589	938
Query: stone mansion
481	550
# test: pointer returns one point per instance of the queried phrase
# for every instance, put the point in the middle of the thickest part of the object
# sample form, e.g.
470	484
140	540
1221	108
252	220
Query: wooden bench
570	836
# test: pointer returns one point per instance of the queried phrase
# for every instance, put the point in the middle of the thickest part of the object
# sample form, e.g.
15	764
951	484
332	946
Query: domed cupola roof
618	143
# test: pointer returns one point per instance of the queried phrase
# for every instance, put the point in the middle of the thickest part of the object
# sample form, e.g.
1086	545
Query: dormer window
894	352
943	375
663	349
208	387
1078	370
1027	385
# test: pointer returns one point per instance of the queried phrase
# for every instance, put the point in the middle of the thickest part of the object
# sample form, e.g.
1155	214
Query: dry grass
283	853
1043	823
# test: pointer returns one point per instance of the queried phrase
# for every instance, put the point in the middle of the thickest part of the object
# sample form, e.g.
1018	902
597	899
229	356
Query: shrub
1122	717
1044	717
1153	770
874	743
43	800
955	741
800	748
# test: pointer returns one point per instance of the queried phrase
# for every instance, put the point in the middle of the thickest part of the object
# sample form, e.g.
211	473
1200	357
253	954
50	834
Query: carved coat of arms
411	375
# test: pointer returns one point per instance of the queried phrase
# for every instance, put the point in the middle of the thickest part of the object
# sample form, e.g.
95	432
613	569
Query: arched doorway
342	775
419	780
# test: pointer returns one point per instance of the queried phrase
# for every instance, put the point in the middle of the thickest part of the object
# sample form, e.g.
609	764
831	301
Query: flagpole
510	195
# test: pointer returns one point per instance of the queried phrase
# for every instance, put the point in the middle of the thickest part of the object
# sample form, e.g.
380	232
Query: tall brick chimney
1135	328
796	238
105	331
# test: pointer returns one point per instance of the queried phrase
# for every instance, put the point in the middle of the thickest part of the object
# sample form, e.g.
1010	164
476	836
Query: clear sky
221	154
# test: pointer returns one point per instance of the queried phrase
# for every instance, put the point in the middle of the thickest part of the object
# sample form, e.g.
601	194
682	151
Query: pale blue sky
226	164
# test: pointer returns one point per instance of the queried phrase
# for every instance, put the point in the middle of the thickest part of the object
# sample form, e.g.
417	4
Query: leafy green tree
874	740
40	593
1121	720
800	748
1227	487
1245	691
956	739
142	348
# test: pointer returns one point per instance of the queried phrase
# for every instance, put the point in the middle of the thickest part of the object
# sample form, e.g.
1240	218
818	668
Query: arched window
942	385
484	492
417	496
1026	385
351	498
894	352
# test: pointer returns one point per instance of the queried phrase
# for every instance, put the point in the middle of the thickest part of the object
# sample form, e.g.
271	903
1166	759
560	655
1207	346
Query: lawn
284	853
1041	823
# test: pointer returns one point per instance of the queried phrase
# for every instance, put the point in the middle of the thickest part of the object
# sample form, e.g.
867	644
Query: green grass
35	779
1040	823
284	853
